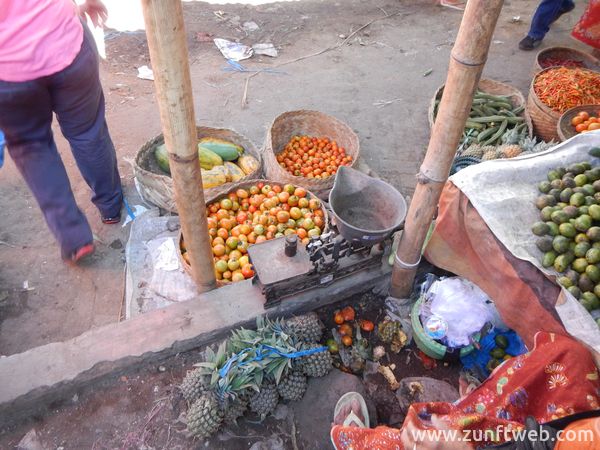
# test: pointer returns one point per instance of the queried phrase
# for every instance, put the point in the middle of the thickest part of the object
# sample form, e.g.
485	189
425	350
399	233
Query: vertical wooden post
466	64
168	52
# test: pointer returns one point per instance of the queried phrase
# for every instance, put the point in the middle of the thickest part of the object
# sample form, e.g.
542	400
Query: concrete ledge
33	379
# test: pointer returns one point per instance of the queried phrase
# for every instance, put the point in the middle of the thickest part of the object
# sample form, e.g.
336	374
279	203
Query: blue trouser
546	13
76	96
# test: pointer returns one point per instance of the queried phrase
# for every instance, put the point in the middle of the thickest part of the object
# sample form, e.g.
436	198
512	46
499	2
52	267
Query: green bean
498	133
494	98
506	105
487	133
470	124
489	119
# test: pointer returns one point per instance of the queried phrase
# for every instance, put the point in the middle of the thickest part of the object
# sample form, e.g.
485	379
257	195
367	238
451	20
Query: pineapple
307	328
388	329
265	401
204	416
293	386
195	383
510	151
474	151
316	364
489	155
234	409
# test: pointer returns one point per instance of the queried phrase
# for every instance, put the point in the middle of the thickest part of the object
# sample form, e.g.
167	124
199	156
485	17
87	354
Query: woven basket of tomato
580	119
252	212
305	148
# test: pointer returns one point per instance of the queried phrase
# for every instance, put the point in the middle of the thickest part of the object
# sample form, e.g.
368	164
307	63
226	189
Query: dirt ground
42	300
142	409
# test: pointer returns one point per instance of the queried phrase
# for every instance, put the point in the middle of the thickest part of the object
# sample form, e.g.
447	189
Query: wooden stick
466	64
168	53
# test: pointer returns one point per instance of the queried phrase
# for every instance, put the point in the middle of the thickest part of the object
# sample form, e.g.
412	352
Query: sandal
79	255
111	220
352	418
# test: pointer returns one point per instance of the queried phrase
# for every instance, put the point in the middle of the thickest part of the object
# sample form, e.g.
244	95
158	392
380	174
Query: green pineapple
474	151
317	364
293	386
265	400
195	383
307	328
204	416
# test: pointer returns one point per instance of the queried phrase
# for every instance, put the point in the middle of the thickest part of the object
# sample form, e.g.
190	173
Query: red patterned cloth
557	378
587	29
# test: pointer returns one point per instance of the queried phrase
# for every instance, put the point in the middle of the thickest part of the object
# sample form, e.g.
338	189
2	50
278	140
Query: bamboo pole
168	52
466	64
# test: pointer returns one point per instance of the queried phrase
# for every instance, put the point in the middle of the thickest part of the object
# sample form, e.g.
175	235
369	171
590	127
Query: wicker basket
313	123
564	129
544	118
489	87
589	61
234	187
157	187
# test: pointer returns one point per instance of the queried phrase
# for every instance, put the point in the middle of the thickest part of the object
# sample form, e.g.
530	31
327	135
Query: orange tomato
338	318
594	126
247	271
348	313
347	341
581	127
283	216
367	325
219	250
345	329
584	114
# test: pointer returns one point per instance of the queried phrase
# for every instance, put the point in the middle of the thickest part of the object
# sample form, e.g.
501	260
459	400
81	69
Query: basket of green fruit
225	157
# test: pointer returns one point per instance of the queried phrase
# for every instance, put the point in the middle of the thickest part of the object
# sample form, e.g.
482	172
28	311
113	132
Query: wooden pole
466	64
168	52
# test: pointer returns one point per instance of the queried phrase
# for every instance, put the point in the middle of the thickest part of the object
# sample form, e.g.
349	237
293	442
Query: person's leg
547	12
25	118
78	101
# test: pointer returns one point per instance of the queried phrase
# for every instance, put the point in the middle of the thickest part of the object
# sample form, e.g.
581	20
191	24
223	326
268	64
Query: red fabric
557	378
588	28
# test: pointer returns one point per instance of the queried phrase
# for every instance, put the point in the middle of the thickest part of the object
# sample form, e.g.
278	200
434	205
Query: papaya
228	151
212	178
222	169
208	158
248	164
162	158
235	173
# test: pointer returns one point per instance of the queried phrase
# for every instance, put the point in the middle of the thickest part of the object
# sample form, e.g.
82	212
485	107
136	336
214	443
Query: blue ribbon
128	209
262	352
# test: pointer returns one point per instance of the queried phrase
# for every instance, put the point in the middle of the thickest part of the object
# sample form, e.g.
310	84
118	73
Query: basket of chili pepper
555	90
565	57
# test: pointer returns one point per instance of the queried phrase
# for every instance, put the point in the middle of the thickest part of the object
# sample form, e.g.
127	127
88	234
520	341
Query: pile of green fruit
498	354
569	230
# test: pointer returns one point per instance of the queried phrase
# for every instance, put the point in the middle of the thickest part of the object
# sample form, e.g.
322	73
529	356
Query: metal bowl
365	210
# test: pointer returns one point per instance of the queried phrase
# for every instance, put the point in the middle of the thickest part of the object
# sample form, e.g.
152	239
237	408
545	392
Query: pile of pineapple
513	145
249	371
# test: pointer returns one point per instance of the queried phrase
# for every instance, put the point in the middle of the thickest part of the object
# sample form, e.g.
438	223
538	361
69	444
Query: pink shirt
37	38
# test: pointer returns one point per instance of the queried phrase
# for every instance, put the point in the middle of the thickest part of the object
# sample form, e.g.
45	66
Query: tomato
594	126
367	325
347	341
283	216
222	233
237	276
293	200
302	233
219	250
345	329
348	313
259	230
260	239
218	240
247	271
581	127
212	222
295	213
303	203
241	217
584	114
221	266
212	232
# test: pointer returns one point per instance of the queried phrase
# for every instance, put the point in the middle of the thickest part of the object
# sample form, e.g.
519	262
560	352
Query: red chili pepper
562	88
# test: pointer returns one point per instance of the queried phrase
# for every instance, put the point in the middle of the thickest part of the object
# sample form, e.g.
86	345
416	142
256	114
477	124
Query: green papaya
208	158
228	151
162	158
